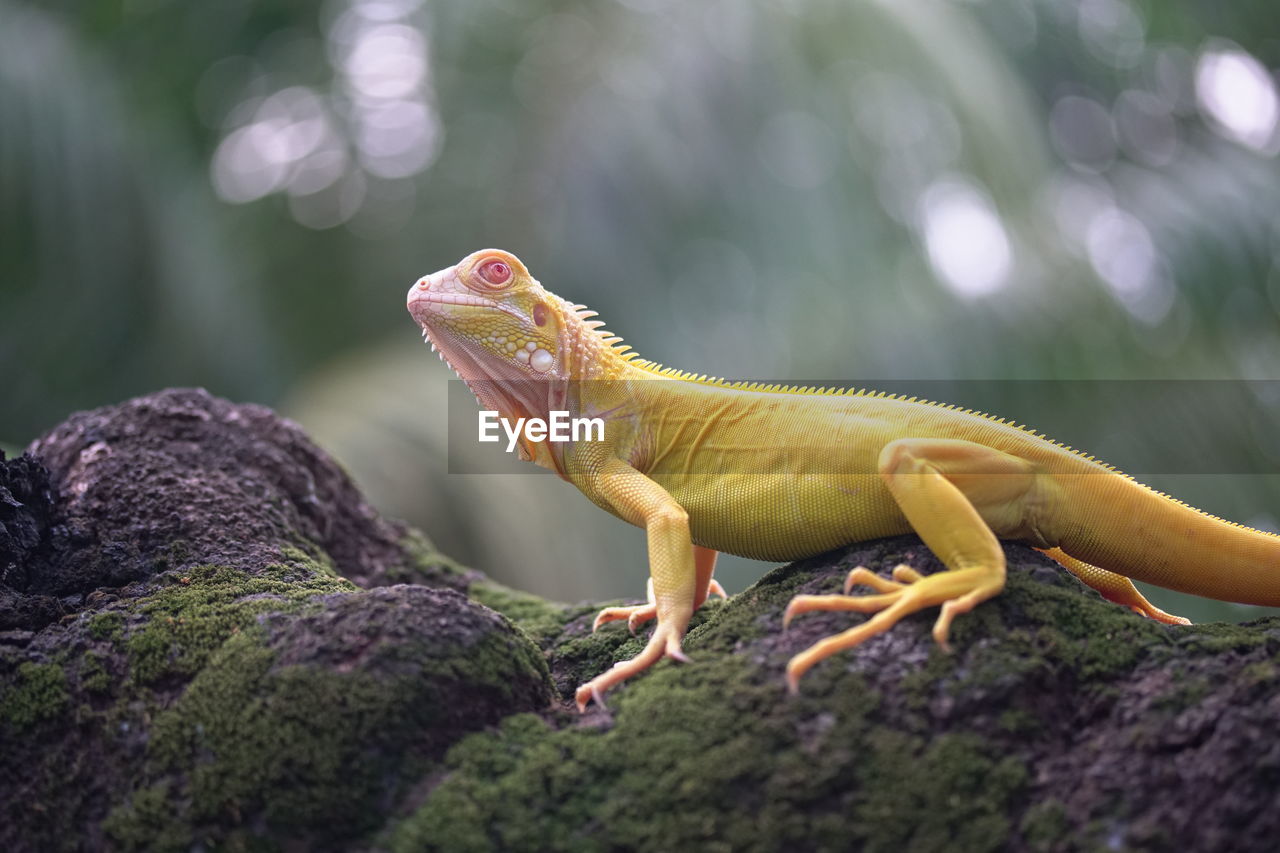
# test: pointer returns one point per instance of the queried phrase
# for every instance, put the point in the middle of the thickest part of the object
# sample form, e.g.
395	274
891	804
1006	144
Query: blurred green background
237	195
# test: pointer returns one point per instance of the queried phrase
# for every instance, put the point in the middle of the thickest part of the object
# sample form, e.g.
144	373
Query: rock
186	663
311	732
26	505
205	674
1059	722
180	477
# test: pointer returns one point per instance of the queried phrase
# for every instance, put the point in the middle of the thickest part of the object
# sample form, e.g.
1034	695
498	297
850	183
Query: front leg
672	572
704	564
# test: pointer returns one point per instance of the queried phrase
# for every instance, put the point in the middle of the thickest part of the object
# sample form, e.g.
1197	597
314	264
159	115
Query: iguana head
490	319
499	330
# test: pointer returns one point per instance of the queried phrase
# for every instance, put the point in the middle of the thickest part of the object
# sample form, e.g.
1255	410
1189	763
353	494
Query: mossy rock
209	641
305	729
1058	722
208	674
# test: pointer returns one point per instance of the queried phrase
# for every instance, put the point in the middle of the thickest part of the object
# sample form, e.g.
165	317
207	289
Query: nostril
422	285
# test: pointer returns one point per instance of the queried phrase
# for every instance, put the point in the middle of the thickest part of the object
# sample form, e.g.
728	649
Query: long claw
714	588
585	695
1113	587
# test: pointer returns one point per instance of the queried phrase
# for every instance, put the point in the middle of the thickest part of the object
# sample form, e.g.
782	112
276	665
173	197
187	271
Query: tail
1120	525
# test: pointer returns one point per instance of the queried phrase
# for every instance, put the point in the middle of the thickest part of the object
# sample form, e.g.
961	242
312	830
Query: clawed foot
663	643
1112	586
1123	592
958	591
636	615
1150	611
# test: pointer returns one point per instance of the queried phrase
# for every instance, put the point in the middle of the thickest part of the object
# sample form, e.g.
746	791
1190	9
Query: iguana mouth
426	305
453	299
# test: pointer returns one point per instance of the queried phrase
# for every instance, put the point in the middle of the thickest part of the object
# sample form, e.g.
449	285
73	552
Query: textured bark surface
207	638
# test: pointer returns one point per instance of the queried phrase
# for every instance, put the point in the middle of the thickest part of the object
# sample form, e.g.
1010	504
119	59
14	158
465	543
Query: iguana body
779	473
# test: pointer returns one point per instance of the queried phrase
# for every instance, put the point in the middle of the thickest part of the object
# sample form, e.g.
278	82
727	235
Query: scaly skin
780	473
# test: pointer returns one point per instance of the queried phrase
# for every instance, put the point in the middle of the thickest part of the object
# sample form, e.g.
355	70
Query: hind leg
956	495
1113	587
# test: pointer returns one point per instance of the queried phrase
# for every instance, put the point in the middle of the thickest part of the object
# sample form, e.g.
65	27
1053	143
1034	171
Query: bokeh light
1238	95
1123	255
234	195
967	243
375	119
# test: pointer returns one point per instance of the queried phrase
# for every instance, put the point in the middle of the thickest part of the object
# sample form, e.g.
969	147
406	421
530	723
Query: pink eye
495	273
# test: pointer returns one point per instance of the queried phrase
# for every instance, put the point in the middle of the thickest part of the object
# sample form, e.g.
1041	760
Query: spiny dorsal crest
626	353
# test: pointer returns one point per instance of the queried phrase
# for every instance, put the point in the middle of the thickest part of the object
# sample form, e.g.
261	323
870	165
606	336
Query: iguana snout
432	293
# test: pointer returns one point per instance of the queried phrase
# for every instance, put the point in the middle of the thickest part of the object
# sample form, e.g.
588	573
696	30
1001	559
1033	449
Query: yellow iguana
781	473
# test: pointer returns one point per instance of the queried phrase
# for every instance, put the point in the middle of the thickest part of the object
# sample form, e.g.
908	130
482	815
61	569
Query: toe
640	615
905	574
862	576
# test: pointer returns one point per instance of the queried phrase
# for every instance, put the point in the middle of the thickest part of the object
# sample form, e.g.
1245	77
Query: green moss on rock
714	757
193	614
542	620
951	792
1227	637
93	675
1094	642
292	731
1045	826
148	822
106	626
894	745
38	694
